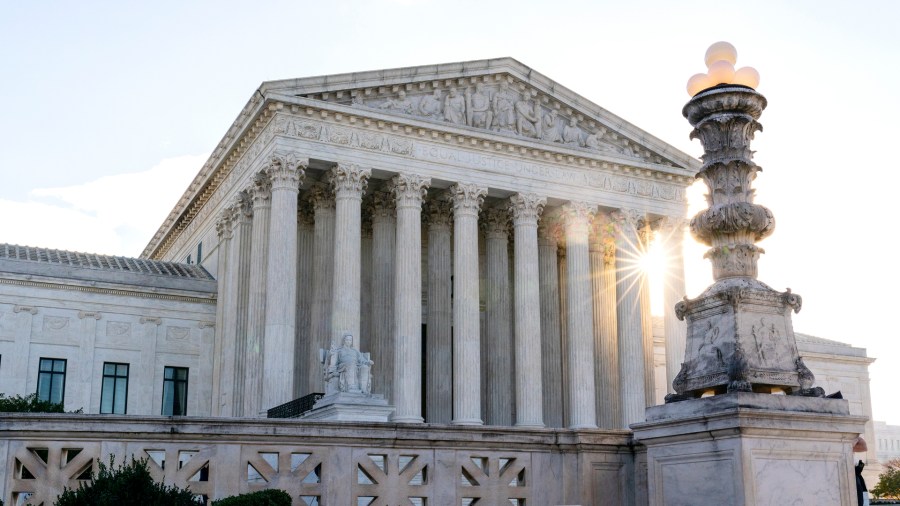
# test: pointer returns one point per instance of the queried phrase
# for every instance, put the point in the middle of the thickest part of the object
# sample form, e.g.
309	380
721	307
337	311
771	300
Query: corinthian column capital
439	211
409	189
381	205
223	224
628	221
320	197
526	207
305	211
349	178
495	222
577	215
467	198
241	208
603	237
672	225
260	190
286	170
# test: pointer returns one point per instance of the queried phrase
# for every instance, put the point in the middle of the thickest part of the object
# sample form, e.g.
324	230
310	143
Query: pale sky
110	109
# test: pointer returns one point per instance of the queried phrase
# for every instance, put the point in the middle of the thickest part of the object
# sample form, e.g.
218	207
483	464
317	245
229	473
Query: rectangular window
114	393
188	261
199	253
51	384
175	389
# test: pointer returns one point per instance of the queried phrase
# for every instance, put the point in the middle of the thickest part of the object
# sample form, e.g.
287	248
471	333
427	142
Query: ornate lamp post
740	336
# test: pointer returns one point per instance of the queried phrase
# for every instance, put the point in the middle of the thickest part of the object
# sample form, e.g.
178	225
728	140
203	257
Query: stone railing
319	463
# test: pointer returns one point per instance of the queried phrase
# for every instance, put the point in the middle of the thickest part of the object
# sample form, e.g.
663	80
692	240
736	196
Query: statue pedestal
350	407
747	448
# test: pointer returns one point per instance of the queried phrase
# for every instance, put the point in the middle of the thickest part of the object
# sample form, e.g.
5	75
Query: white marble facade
511	153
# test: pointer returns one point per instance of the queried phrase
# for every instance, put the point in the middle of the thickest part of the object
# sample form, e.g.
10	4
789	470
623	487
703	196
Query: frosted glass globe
697	83
748	76
721	72
721	51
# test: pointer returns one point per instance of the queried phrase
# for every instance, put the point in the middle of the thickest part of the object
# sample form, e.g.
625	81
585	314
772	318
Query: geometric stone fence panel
318	463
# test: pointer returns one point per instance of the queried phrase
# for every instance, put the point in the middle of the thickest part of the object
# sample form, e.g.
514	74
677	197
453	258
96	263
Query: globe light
721	71
748	76
697	83
721	51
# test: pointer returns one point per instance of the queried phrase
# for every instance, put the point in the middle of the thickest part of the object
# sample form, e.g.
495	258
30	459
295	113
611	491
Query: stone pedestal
747	448
350	407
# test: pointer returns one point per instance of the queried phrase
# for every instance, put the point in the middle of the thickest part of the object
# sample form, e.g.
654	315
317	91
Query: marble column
349	181
239	258
286	171
260	192
223	366
409	191
526	208
563	278
439	319
497	353
467	199
580	325
606	352
645	236
671	230
629	318
323	271
365	277
384	238
306	233
551	357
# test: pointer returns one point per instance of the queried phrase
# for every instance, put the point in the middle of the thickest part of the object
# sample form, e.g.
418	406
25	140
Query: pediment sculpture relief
502	109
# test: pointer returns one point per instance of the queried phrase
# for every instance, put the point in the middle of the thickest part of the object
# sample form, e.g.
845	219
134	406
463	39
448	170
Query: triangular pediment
498	96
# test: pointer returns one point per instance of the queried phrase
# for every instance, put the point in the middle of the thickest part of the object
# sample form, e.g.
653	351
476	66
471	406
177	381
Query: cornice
106	290
257	117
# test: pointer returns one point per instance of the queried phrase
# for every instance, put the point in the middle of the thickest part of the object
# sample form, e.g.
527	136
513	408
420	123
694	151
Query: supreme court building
474	226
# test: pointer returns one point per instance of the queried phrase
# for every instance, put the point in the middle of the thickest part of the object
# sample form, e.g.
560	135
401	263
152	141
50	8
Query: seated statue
347	369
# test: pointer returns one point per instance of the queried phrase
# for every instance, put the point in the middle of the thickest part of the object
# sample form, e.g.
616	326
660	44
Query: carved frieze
504	106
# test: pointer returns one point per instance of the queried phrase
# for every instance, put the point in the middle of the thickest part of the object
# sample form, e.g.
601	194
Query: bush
889	481
270	497
128	485
28	404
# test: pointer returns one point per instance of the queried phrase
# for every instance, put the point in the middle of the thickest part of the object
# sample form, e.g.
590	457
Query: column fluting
223	366
286	172
580	329
239	258
439	319
526	209
551	355
629	317
260	191
606	352
672	232
497	343
306	233
467	199
323	271
349	181
409	191
384	238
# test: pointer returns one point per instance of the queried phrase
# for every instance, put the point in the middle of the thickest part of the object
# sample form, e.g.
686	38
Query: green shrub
29	404
128	485
270	497
889	482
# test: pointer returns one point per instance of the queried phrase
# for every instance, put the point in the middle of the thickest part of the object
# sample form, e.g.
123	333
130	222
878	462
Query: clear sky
110	108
